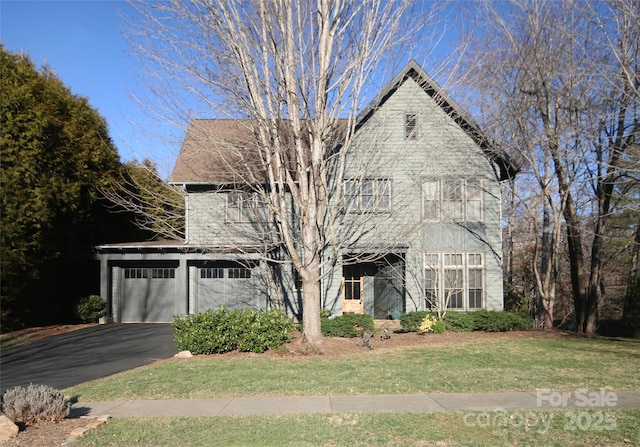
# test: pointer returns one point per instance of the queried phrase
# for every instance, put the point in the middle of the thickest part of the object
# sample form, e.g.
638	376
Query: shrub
411	321
501	321
431	324
459	322
34	404
216	332
347	326
263	330
481	320
90	309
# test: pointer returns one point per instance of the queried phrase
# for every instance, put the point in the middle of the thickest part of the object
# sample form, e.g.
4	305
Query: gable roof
507	167
216	151
221	151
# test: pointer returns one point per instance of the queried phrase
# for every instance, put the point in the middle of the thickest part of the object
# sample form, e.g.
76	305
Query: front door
352	289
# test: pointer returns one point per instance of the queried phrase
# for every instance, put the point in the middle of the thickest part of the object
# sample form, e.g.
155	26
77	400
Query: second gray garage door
229	284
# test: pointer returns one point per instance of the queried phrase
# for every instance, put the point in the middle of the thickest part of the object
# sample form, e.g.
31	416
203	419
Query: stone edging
79	432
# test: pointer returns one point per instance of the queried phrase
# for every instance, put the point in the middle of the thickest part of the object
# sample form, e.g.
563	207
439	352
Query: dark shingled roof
222	151
217	151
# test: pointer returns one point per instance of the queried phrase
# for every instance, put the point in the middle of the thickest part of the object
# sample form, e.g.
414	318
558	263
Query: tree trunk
548	282
574	242
594	296
310	275
631	310
311	332
548	305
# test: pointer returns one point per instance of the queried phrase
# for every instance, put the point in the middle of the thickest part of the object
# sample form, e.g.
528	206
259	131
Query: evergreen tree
56	154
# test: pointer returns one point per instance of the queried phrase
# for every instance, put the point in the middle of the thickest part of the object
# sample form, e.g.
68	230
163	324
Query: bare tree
295	74
157	206
561	84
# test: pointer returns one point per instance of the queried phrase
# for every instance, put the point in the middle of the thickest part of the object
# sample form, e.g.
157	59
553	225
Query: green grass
473	366
391	430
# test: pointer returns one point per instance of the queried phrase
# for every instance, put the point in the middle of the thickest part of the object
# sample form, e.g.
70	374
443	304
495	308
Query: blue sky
81	41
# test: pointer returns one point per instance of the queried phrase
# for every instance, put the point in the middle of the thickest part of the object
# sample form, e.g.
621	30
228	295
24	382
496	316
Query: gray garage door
148	295
229	284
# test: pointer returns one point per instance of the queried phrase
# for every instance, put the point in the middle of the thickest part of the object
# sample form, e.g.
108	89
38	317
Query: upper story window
244	207
410	126
452	200
369	195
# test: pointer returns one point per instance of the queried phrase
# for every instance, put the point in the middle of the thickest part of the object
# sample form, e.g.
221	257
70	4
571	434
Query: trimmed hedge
247	330
460	322
481	320
347	325
500	321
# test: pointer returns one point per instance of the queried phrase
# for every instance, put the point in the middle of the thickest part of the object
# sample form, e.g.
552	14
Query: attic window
410	126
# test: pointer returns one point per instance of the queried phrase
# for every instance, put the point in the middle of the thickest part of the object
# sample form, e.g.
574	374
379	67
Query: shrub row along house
417	220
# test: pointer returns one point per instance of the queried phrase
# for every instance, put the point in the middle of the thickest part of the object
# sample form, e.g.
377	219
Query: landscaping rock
7	428
183	355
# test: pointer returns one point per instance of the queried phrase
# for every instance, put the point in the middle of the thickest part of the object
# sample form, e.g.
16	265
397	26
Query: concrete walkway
422	403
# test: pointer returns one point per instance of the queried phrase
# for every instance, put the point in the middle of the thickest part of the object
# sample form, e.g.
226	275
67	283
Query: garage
149	293
229	284
152	282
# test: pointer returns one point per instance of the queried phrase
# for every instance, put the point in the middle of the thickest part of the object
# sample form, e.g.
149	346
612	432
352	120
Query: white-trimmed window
410	126
475	281
431	280
368	195
473	200
453	277
454	281
244	207
431	200
452	200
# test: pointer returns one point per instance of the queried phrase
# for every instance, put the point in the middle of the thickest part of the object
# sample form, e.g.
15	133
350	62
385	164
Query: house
424	202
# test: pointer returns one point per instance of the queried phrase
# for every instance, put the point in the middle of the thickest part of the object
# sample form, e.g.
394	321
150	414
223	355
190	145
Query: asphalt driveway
69	359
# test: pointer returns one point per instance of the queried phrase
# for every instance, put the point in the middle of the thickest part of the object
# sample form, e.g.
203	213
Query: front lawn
622	428
470	365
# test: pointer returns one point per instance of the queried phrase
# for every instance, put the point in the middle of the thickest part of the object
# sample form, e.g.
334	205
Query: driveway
76	357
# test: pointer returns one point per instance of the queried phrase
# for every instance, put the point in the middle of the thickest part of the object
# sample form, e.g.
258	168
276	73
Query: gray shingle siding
447	147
